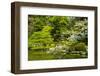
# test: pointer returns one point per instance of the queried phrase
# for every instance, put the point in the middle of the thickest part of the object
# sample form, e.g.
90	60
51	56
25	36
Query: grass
42	55
39	55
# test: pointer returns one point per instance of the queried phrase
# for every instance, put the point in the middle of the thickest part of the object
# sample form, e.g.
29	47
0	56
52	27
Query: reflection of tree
63	37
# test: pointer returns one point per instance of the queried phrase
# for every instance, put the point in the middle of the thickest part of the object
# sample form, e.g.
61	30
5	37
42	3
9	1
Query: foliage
57	37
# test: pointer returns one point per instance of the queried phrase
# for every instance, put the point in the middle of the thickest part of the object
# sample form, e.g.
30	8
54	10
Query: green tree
41	39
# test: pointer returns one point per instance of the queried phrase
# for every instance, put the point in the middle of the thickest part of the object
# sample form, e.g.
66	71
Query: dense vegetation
57	37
